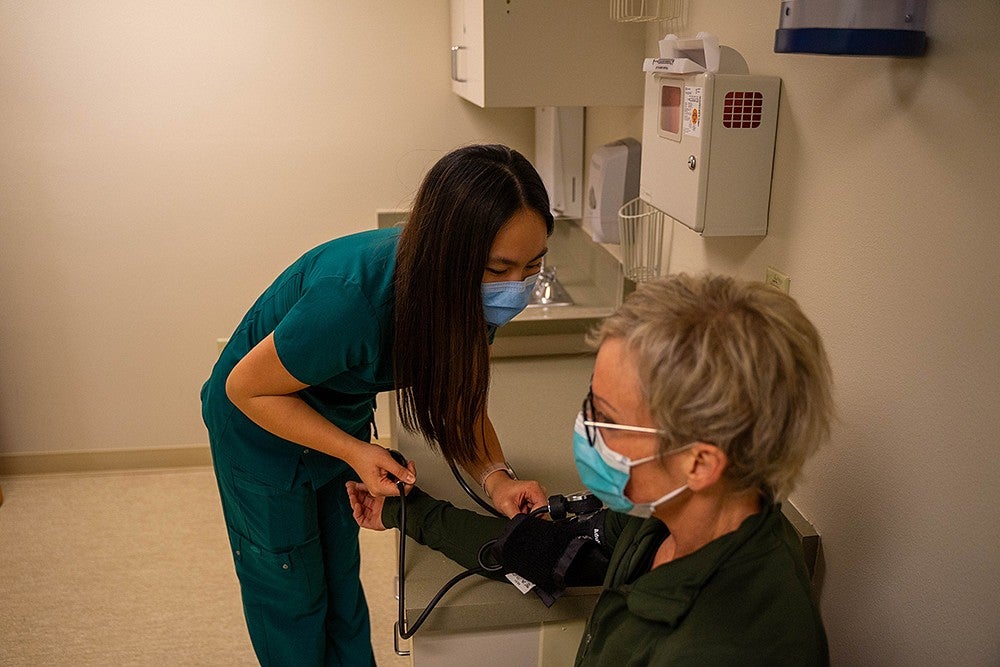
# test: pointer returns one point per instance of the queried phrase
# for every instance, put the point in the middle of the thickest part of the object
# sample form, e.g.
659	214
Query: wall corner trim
104	460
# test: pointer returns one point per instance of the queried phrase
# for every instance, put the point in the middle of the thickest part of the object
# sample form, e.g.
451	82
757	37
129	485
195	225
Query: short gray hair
732	363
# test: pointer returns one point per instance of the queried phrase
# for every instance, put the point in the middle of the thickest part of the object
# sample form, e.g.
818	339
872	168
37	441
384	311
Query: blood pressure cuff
554	555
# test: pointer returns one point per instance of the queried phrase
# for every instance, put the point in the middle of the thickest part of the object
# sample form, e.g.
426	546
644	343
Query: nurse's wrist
494	476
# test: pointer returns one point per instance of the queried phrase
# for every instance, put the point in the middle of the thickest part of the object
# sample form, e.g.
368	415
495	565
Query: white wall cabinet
530	53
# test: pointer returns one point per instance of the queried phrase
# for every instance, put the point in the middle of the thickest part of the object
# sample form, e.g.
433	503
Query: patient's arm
550	554
458	534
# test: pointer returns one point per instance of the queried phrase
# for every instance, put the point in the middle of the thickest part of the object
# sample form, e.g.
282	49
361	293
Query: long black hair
440	354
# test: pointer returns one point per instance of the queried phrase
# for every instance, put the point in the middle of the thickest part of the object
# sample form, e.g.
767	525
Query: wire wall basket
648	10
640	228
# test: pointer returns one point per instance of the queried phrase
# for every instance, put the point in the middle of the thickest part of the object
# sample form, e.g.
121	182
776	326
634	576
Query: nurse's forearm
291	418
263	389
492	453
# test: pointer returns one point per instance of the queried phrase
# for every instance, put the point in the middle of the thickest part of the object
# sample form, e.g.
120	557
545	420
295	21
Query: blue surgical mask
502	301
606	472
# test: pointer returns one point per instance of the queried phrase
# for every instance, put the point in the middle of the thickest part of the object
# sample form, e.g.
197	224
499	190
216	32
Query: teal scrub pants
298	562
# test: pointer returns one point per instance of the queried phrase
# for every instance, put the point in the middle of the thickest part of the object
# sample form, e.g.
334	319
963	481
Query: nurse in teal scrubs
289	405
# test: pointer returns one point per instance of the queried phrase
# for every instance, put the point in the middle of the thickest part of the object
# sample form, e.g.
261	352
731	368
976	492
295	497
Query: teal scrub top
332	316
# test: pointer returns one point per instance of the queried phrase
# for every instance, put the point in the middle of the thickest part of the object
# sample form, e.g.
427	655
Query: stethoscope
558	508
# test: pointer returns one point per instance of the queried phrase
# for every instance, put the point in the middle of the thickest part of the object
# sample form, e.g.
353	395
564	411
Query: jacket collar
666	593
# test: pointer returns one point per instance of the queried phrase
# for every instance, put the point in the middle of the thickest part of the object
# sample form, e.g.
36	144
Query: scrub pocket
275	538
296	573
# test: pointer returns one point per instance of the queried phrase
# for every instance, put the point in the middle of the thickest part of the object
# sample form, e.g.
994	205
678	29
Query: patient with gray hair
708	396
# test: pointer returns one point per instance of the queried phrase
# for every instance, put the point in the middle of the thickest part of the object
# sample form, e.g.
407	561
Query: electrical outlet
776	279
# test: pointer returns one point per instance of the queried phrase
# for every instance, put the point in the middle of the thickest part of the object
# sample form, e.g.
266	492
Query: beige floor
133	568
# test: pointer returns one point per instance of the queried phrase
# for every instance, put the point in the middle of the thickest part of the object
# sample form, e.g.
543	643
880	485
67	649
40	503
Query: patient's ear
705	466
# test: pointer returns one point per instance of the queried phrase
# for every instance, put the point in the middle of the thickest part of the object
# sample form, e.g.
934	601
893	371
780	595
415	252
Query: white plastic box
708	137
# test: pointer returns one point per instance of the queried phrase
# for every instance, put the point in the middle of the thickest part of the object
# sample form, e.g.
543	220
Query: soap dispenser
613	179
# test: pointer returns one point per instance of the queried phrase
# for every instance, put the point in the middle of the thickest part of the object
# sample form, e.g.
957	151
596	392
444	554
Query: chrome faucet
548	291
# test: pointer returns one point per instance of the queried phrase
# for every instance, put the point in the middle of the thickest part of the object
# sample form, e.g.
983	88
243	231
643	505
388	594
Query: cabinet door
467	49
531	53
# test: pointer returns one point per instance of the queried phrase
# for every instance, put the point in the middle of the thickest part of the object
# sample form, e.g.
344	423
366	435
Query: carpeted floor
133	568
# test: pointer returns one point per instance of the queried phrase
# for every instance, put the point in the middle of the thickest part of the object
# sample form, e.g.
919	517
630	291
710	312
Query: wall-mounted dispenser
852	27
559	158
612	180
708	133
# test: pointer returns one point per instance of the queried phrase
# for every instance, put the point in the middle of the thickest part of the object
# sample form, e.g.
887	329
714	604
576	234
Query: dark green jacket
743	599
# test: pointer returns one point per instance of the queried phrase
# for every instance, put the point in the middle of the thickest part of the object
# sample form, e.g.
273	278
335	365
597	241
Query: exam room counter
477	603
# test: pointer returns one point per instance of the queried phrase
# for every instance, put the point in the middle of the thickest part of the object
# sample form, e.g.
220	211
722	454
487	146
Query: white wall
884	213
161	162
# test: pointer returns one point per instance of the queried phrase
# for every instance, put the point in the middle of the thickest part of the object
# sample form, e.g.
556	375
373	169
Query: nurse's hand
374	466
515	496
366	508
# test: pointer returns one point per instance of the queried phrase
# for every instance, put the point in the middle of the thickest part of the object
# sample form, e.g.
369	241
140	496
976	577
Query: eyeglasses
591	425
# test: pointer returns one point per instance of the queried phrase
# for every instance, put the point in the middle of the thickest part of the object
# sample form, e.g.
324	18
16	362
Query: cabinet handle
454	63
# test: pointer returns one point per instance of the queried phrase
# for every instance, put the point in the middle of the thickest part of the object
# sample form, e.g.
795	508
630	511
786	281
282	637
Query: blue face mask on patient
502	301
606	472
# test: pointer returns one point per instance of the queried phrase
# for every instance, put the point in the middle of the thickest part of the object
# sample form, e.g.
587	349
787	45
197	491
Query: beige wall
884	213
161	162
